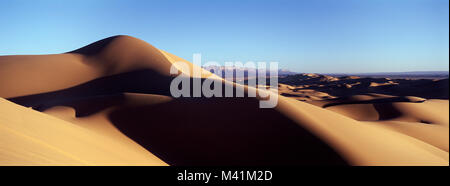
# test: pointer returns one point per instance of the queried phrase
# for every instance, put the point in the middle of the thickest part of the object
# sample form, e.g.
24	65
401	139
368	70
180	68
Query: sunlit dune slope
29	137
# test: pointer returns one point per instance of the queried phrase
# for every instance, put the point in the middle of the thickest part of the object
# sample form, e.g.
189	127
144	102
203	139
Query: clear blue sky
304	36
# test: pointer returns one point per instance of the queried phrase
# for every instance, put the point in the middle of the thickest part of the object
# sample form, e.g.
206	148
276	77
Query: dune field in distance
109	103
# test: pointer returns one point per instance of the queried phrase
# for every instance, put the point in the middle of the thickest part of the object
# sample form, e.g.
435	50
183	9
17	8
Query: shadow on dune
222	131
384	106
141	81
386	111
342	101
193	131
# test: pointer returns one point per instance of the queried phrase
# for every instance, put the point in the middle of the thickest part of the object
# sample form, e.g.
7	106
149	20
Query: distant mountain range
399	75
241	72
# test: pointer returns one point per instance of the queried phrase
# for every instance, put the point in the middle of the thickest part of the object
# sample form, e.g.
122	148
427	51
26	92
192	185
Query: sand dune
29	137
109	104
355	86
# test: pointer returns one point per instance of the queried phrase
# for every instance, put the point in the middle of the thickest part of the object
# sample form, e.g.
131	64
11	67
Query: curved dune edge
29	137
362	143
34	138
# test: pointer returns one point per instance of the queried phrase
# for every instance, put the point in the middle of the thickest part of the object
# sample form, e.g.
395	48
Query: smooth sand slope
29	137
109	104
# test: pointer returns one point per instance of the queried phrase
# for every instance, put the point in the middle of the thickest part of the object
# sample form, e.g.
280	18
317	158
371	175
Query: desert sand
109	103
